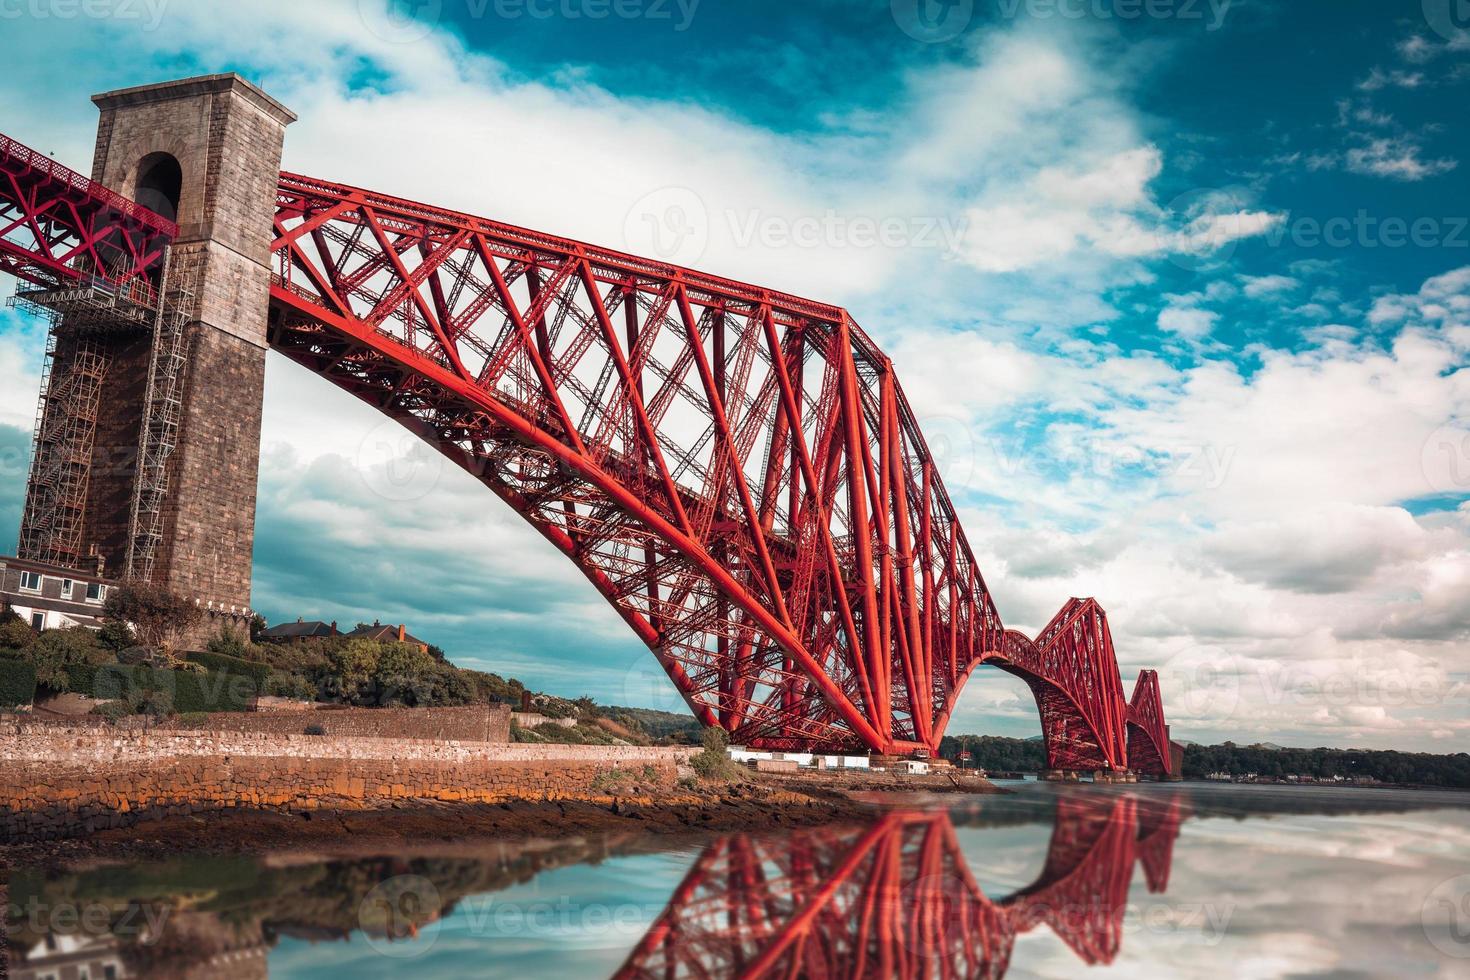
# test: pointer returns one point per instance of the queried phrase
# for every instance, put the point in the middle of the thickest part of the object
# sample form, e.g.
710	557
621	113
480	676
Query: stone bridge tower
169	411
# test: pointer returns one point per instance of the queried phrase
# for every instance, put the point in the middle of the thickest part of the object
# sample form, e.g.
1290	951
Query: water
1192	881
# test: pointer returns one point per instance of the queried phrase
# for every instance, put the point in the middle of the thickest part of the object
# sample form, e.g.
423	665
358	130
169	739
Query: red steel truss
1149	748
59	228
898	898
735	469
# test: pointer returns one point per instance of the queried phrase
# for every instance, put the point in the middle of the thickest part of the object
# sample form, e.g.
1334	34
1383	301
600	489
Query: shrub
315	730
715	762
282	685
157	614
113	710
186	692
17	684
116	636
54	651
228	643
15	634
226	664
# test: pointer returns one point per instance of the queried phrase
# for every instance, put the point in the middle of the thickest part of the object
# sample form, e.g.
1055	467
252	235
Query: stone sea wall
58	780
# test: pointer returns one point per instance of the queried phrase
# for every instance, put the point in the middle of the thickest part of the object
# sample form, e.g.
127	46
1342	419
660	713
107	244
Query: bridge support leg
205	152
1061	776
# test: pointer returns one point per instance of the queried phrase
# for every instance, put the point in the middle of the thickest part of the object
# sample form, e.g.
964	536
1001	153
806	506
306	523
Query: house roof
386	634
300	630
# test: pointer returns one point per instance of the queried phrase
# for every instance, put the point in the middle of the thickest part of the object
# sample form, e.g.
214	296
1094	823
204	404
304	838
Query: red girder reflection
897	899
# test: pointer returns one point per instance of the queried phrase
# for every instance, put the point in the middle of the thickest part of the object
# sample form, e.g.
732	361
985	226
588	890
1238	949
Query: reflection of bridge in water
897	899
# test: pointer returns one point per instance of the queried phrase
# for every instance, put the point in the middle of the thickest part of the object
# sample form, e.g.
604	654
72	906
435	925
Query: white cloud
1257	287
1398	158
1183	317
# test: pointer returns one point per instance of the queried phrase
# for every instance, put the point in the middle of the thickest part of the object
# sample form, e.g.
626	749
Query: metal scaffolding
163	406
66	427
85	319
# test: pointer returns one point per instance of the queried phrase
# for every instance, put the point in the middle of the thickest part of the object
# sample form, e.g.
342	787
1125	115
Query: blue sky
1183	299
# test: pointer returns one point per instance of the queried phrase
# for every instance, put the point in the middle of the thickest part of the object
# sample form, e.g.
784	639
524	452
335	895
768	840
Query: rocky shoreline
744	805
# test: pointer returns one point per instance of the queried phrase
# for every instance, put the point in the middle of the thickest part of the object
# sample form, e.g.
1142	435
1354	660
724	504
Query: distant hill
658	725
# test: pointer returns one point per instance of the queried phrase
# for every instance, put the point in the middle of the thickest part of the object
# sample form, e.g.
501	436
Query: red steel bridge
897	899
736	470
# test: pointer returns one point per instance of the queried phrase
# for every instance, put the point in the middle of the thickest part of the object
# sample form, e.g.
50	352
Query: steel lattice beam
1148	735
59	228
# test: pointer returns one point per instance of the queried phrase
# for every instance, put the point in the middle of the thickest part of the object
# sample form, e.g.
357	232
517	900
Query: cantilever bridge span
736	470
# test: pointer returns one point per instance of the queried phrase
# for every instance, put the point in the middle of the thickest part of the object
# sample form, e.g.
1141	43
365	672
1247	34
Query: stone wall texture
472	723
60	781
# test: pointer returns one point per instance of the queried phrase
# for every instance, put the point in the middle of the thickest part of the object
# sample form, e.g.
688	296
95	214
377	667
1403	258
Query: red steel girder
1148	734
59	228
736	470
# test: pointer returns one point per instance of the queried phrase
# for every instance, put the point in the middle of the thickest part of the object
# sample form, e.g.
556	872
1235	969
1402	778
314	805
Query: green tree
116	636
350	668
15	634
55	650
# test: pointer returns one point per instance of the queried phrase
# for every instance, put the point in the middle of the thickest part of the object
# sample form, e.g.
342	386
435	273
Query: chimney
334	626
402	633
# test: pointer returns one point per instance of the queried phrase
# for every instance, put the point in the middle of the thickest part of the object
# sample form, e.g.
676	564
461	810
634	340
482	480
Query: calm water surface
1192	881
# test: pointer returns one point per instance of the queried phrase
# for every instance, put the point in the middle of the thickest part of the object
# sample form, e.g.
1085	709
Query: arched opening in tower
160	182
